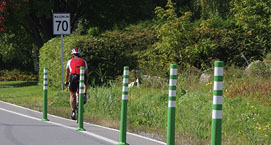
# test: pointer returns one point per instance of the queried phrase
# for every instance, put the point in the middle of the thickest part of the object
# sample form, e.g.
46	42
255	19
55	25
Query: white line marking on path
150	139
58	124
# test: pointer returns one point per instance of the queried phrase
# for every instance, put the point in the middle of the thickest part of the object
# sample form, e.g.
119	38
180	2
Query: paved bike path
22	126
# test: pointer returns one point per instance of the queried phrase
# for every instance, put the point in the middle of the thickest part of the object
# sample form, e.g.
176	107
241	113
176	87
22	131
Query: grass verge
246	114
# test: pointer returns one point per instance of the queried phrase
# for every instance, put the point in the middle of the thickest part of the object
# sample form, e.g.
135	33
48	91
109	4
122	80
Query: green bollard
80	105
45	87
124	101
217	104
172	105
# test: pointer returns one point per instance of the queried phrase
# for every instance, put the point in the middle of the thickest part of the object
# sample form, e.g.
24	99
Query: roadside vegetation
246	105
149	37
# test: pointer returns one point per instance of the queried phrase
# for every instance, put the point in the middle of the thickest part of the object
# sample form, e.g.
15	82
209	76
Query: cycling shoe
73	116
85	98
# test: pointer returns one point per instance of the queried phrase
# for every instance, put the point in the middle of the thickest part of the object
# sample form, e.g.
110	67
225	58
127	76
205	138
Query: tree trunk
35	60
35	32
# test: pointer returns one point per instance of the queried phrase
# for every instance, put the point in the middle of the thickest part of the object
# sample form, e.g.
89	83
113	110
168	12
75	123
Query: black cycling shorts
74	83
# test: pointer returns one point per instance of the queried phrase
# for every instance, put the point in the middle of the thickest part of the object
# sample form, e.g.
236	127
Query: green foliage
81	27
252	15
27	96
246	107
16	84
105	54
16	50
107	14
181	42
93	31
259	69
50	57
254	23
169	48
17	75
188	42
214	8
108	105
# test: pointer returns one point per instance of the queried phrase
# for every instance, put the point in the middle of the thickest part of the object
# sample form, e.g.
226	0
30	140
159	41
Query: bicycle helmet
76	51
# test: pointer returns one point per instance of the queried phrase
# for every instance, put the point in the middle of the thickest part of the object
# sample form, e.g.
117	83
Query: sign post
61	26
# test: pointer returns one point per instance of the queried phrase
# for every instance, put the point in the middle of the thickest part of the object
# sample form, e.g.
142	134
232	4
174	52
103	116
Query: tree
36	16
16	50
253	19
24	22
2	15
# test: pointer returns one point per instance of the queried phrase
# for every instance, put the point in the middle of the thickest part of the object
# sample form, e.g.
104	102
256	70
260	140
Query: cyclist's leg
73	105
77	98
85	91
72	100
73	87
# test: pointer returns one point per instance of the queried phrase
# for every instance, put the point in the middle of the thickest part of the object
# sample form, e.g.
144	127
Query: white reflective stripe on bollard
125	81
172	82
217	99
125	72
81	84
172	93
218	71
218	85
217	114
124	89
171	103
173	71
124	97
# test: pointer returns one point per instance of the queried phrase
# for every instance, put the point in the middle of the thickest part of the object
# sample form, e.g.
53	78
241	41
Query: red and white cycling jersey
74	65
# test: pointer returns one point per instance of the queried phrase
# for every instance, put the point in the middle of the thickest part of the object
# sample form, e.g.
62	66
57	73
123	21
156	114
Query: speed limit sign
61	26
61	23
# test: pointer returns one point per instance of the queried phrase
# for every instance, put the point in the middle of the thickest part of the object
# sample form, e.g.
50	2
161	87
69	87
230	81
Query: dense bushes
16	51
105	54
175	38
198	43
16	75
50	56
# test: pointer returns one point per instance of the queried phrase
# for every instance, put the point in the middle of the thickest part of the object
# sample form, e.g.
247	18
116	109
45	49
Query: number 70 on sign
61	23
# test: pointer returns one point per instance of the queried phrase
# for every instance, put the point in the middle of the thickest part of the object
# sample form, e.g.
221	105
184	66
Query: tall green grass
246	107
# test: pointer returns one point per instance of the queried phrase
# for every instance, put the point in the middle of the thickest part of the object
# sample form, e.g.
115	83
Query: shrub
93	31
109	53
106	54
50	57
16	75
198	43
16	51
181	42
252	19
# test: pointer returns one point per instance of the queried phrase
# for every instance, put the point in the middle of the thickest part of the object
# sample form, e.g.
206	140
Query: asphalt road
22	126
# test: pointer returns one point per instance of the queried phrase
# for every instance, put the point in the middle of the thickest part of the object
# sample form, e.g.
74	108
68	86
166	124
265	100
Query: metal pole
62	70
217	104
123	124
45	87
81	93
172	105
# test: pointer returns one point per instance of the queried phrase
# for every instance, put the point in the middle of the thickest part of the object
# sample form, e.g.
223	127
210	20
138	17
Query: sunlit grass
246	107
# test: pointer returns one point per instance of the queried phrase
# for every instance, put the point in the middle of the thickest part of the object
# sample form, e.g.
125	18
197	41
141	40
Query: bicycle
77	103
75	81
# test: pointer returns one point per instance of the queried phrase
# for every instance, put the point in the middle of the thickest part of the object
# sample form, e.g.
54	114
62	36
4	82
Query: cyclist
73	72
